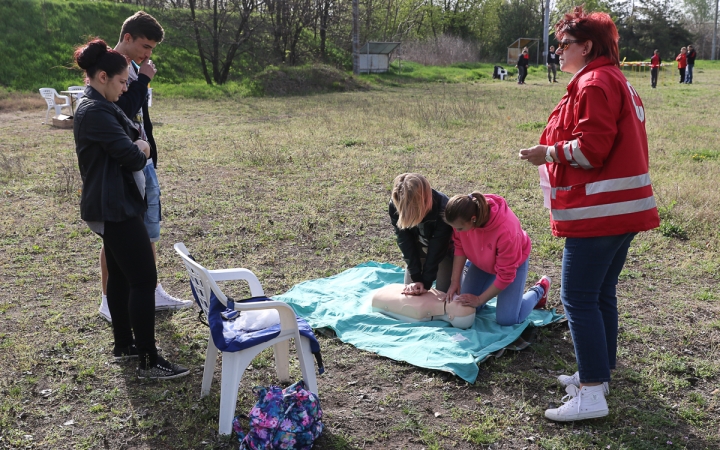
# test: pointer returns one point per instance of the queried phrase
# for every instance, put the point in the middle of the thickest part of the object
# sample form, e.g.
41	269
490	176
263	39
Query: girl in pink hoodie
488	233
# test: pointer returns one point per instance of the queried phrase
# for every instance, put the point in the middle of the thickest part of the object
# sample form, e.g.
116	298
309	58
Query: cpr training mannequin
425	307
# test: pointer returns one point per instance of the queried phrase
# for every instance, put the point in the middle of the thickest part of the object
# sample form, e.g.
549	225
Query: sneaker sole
593	415
179	375
107	318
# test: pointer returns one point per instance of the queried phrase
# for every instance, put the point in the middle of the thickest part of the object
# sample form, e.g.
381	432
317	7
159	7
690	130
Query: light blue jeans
689	73
513	306
153	216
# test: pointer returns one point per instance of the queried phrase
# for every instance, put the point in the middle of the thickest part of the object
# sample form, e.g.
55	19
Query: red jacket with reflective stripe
601	185
655	61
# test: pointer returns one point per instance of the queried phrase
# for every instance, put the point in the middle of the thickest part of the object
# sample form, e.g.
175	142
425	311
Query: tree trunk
199	43
324	19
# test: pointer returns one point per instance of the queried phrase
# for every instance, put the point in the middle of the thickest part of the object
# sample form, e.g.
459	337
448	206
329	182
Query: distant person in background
522	65
682	63
654	68
552	60
691	55
139	35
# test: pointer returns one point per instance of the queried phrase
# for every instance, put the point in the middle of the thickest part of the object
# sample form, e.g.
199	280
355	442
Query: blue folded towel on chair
229	339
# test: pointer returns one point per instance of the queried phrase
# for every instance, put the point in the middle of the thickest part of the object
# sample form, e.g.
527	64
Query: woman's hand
469	300
416	288
144	147
535	155
453	290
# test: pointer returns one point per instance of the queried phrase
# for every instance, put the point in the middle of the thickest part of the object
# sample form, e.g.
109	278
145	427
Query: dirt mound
319	78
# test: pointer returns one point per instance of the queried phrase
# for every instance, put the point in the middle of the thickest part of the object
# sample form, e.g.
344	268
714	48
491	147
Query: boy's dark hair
143	25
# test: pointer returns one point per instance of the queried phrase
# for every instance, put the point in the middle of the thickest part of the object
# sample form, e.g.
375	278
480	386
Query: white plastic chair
502	73
81	92
234	363
49	94
77	97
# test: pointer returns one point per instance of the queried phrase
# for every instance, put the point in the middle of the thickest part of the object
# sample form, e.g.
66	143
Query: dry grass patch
20	101
296	188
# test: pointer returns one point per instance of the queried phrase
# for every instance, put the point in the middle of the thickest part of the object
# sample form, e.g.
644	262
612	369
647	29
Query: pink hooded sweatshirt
499	247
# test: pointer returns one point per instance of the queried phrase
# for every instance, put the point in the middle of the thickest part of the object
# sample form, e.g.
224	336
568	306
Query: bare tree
221	28
288	19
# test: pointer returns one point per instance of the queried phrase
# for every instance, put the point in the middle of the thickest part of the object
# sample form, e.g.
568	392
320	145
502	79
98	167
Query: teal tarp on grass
343	303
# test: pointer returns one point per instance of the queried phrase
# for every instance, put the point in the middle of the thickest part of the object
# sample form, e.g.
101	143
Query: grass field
296	188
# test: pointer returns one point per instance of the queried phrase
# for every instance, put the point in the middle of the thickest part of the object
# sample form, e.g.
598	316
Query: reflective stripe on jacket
601	185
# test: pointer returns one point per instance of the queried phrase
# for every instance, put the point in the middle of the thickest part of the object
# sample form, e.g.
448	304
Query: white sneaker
165	301
574	380
104	310
579	404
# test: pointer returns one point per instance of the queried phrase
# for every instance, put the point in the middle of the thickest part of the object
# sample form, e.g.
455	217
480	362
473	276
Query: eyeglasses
563	45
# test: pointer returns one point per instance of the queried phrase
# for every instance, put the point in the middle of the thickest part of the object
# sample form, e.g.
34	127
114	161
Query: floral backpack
287	418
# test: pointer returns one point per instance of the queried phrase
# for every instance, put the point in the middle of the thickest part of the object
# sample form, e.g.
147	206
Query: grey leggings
552	68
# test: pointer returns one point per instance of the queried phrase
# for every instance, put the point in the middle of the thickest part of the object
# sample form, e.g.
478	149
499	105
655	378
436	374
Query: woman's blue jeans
512	306
590	270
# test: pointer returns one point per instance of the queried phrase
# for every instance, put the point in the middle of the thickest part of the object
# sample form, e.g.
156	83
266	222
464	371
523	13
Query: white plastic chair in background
502	73
234	363
50	94
80	89
78	95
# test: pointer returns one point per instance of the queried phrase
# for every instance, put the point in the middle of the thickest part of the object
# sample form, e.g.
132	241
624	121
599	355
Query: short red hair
596	27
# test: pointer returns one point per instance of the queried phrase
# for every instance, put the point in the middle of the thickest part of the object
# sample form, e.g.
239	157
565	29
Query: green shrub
670	229
531	126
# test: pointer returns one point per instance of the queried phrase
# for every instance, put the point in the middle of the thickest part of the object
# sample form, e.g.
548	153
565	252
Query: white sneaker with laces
574	380
165	301
104	309
579	404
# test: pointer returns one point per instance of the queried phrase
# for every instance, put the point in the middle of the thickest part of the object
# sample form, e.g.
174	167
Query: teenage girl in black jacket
108	152
416	213
522	65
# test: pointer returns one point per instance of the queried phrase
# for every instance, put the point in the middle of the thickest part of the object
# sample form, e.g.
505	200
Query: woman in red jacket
595	152
655	62
682	63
